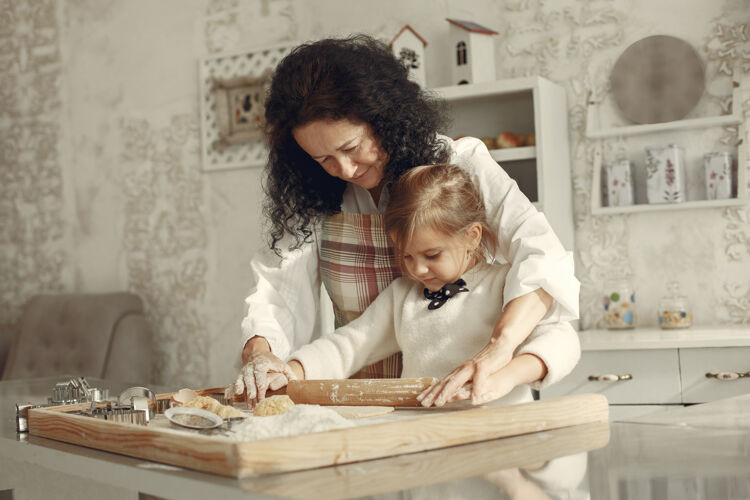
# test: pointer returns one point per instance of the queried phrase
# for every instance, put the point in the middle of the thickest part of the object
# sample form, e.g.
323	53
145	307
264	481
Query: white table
712	444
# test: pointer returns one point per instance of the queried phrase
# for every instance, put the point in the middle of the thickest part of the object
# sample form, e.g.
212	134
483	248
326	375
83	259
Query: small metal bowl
193	418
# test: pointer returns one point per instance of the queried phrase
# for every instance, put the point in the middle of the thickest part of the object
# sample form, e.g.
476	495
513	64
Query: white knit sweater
434	342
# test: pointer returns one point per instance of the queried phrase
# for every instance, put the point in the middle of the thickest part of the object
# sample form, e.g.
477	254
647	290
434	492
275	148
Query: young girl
442	311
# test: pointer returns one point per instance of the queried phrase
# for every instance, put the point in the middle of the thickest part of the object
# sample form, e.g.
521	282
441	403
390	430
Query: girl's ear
474	233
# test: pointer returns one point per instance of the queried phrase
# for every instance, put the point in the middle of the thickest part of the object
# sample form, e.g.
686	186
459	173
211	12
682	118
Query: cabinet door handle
609	377
727	375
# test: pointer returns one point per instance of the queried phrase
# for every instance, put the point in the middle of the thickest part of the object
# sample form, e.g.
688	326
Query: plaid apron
356	264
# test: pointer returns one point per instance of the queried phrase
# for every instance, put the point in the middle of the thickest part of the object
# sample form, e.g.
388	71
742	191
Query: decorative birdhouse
473	52
408	47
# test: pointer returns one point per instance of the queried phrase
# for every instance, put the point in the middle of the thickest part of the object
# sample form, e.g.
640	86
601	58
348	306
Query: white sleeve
526	240
284	303
558	346
365	340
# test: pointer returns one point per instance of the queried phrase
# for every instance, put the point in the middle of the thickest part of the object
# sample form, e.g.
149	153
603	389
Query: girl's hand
523	369
497	385
261	372
477	370
519	318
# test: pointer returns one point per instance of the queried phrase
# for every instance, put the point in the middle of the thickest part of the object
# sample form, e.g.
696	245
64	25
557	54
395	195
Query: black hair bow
438	298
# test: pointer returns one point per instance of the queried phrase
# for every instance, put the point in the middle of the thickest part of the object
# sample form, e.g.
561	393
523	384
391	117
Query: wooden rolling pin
359	392
350	392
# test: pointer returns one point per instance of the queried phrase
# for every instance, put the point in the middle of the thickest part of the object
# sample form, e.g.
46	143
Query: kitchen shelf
514	154
734	119
664	207
487	89
522	106
650	128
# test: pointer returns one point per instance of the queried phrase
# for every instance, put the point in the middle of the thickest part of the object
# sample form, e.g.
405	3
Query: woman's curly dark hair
356	78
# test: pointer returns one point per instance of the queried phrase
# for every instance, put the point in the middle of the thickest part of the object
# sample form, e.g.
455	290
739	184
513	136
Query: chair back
100	335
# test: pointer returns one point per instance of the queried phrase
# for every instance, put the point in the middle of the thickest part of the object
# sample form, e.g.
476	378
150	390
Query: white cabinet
714	373
644	370
625	377
522	105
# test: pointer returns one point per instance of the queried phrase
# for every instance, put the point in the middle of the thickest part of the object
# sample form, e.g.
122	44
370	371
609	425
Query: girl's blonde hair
441	197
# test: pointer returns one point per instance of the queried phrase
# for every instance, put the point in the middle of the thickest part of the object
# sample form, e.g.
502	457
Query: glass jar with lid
674	308
619	304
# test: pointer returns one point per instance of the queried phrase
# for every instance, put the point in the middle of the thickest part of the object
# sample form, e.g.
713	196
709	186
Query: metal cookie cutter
75	390
117	413
22	416
137	399
133	406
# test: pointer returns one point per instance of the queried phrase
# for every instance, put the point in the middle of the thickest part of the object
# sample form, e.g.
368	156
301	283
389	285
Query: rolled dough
362	411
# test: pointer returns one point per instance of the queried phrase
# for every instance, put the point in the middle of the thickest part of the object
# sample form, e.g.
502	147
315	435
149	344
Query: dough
275	405
210	404
362	411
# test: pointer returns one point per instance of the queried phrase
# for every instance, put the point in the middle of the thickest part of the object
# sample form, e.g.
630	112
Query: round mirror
657	79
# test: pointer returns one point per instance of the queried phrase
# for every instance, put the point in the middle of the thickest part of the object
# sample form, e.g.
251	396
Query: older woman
343	121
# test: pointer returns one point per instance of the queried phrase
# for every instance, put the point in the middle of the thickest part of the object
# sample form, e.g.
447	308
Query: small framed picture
240	108
232	90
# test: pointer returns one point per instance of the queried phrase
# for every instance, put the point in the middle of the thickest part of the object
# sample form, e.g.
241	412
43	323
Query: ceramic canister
718	167
665	174
620	190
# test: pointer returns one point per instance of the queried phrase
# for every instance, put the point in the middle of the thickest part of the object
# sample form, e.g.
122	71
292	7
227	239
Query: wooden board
220	455
404	472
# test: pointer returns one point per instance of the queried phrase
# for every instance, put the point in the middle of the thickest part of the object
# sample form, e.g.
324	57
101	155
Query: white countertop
657	338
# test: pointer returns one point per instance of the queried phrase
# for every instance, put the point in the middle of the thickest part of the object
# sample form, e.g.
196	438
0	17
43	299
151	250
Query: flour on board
299	419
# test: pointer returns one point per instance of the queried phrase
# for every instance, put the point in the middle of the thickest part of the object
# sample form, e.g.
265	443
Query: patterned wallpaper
33	253
170	219
165	240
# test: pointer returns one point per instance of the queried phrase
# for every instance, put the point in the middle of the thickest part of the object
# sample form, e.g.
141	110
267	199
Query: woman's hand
492	358
260	372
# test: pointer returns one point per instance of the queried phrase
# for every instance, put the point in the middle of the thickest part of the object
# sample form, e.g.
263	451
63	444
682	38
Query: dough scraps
275	405
210	404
